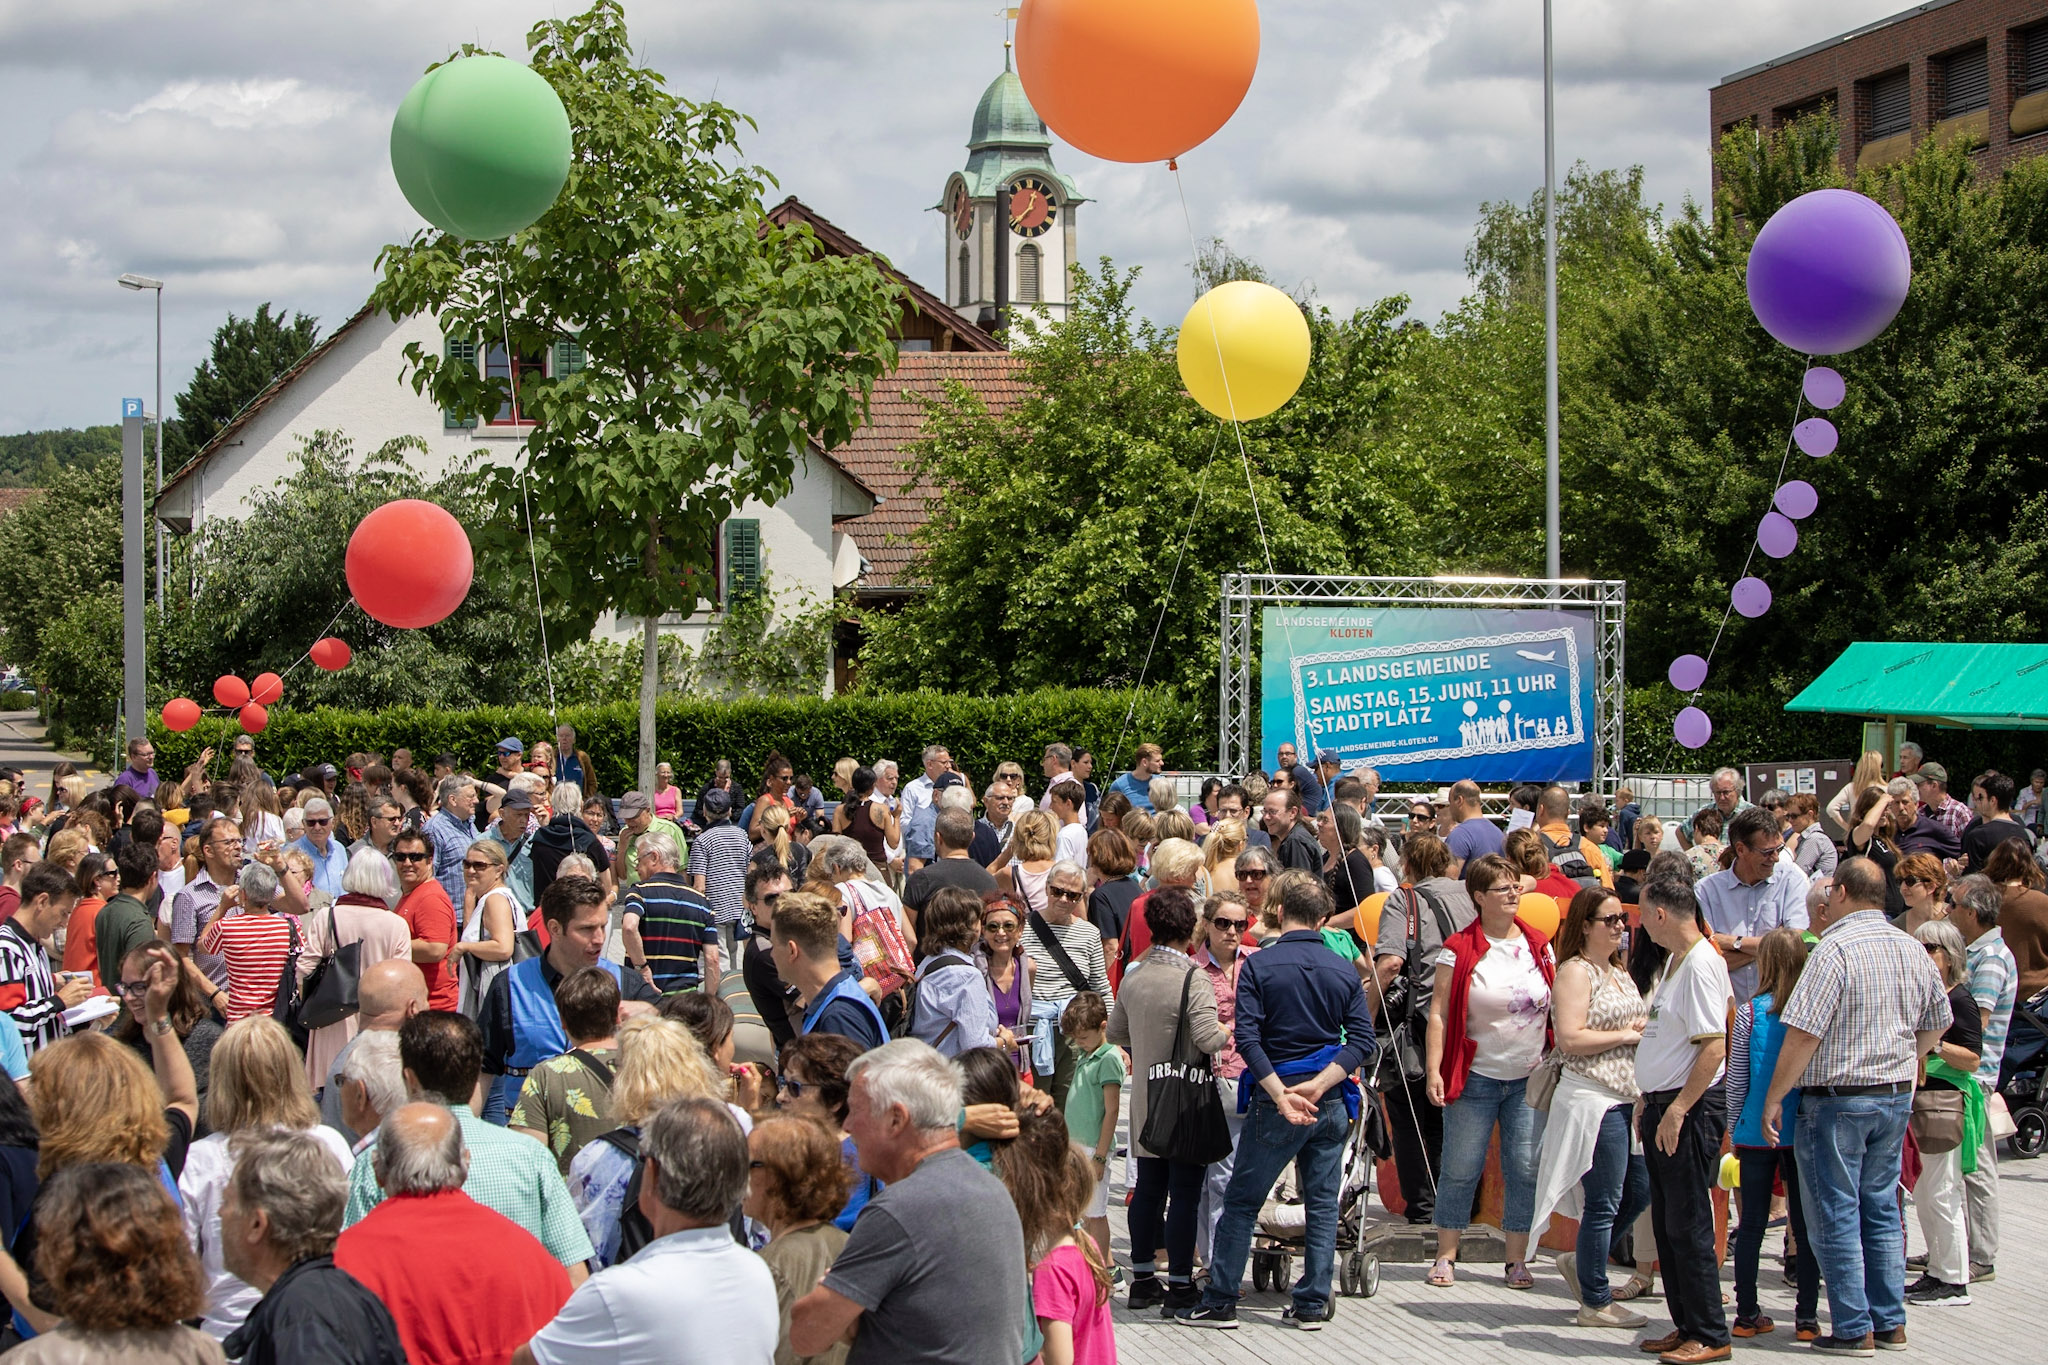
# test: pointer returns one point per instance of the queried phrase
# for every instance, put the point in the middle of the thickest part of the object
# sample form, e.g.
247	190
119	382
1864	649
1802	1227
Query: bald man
388	994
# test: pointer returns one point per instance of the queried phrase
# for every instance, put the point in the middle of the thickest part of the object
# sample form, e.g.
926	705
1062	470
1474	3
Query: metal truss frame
1244	594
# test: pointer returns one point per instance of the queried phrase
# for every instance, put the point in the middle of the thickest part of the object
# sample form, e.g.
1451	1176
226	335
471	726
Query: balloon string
1784	459
526	493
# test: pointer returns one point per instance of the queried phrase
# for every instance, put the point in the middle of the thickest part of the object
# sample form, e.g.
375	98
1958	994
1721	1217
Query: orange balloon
1540	912
1366	924
1137	80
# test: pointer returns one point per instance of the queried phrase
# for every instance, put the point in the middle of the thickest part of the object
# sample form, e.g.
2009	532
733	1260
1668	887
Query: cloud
237	148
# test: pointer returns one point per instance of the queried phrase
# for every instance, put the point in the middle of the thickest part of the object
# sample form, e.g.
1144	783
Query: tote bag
1184	1118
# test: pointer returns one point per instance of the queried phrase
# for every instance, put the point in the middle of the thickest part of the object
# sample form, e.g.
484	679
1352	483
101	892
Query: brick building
1945	68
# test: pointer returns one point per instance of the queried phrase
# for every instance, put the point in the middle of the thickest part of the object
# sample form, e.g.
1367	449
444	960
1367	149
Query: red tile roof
877	452
918	300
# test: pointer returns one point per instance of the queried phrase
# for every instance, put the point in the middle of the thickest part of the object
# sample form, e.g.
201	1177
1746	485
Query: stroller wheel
2032	1132
1262	1271
1349	1282
1369	1275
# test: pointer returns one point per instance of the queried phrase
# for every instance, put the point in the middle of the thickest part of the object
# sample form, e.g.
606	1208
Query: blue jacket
1295	998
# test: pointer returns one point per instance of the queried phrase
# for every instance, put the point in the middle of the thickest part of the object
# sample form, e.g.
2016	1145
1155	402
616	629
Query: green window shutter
463	352
568	358
742	559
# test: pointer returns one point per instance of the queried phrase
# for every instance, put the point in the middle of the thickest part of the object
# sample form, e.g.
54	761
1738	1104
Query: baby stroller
2023	1073
1282	1233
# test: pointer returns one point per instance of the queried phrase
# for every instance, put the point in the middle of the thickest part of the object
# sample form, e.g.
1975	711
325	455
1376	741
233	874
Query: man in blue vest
805	942
521	1026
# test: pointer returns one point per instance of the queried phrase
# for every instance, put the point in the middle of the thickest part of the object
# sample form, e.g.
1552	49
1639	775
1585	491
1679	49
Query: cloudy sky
237	148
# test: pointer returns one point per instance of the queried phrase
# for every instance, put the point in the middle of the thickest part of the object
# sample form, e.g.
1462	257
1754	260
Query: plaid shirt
1994	983
1952	815
508	1172
1867	989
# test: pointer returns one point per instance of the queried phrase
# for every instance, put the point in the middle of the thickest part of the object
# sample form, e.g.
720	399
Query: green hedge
693	734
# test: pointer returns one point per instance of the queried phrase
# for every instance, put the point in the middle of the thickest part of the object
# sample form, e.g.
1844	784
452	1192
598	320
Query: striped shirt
254	948
28	992
675	923
1867	989
1994	984
720	857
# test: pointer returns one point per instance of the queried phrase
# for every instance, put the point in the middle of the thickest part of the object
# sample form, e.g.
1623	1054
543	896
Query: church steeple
1007	143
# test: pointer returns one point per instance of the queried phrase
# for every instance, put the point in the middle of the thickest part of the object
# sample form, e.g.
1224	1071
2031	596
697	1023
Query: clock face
962	210
1031	206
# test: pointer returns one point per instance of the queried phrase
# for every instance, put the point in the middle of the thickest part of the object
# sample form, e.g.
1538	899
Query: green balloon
481	147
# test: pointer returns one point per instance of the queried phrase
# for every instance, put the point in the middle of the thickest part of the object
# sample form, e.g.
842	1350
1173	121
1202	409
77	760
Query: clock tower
1008	145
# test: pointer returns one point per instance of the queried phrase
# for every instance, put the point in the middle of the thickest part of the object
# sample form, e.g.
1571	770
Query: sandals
1518	1276
1442	1273
1638	1285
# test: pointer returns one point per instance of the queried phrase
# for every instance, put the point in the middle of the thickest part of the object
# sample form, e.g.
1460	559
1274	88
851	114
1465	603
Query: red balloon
409	564
330	654
267	688
254	718
230	691
180	714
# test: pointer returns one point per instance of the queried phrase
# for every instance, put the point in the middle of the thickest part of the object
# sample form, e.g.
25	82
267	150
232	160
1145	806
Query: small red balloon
230	691
409	564
180	714
267	688
330	654
254	718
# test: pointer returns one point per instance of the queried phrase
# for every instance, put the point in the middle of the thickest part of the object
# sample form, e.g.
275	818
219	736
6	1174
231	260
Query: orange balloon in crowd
1137	80
1540	912
1365	926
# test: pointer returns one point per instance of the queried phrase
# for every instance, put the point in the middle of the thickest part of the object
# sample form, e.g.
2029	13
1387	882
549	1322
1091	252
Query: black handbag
285	1004
1184	1119
330	992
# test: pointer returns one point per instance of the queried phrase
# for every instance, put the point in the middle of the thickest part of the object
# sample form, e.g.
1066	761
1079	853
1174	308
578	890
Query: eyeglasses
1255	874
1060	893
132	989
793	1089
469	866
410	857
1229	926
234	841
1504	889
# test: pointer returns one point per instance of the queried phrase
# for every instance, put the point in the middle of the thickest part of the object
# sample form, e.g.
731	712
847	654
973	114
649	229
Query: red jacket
1467	946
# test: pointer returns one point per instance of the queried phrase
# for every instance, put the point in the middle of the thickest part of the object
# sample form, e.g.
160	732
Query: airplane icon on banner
1549	658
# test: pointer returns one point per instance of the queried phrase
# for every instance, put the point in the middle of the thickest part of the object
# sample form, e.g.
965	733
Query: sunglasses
1914	881
319	822
793	1089
469	866
1229	926
1059	894
995	927
1255	875
410	857
1616	921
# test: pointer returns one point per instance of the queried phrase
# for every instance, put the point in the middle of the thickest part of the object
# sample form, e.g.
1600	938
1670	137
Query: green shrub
17	701
694	734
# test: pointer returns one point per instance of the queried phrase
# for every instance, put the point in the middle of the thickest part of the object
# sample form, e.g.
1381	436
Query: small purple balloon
1797	499
1816	436
1829	272
1751	595
1692	728
1688	672
1824	388
1776	536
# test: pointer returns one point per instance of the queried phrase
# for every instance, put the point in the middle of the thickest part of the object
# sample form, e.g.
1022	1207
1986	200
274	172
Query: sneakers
1178	1297
1928	1292
1757	1326
1860	1347
1982	1274
1147	1291
1917	1264
1307	1322
1609	1315
1568	1266
1223	1319
1807	1331
1893	1339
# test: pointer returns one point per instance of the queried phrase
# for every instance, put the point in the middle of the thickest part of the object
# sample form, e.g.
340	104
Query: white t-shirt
172	883
208	1166
1506	1009
1074	844
1383	879
1688	1006
690	1298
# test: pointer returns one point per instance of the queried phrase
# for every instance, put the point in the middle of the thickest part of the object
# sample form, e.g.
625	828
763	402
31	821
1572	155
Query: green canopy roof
1968	687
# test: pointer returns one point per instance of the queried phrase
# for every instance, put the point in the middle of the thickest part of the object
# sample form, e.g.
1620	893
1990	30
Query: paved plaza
1479	1320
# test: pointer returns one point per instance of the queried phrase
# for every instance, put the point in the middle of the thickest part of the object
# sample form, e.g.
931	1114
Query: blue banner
1429	695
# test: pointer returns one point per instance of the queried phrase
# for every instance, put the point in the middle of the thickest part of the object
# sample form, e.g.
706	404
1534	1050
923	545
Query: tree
248	353
1059	533
34	459
705	345
63	546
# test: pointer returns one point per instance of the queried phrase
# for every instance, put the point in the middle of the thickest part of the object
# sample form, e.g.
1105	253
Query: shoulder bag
1184	1118
1937	1120
329	994
1041	929
286	1005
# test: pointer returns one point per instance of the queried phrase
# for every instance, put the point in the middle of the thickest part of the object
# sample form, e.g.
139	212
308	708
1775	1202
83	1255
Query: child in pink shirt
1070	1286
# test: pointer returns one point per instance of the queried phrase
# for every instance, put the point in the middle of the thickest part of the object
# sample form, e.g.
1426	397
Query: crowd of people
372	1063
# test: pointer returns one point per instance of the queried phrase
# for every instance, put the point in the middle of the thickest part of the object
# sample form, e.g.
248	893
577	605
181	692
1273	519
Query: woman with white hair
1951	1075
566	834
252	941
360	917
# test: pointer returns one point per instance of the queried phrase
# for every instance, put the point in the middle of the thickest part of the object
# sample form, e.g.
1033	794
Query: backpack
1568	859
634	1229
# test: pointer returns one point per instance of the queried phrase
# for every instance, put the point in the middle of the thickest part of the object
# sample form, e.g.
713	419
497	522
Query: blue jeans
1468	1125
1613	1192
1267	1144
1849	1149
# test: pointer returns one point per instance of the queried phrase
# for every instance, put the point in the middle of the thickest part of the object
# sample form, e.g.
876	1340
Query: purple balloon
1776	536
1816	436
1692	728
1824	388
1796	499
1751	595
1688	671
1829	272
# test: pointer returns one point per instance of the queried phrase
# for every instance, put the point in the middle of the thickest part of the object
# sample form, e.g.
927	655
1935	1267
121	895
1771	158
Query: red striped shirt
254	947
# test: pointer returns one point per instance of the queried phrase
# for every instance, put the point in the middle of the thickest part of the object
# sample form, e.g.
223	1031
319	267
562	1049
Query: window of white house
527	364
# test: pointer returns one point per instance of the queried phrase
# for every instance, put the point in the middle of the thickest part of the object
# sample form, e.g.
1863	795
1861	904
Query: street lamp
139	282
1551	568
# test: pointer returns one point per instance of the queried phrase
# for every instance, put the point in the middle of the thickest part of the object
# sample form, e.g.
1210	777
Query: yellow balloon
1243	350
1366	925
1539	912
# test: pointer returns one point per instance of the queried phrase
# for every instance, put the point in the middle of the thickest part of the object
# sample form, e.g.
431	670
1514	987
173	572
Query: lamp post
139	282
1550	517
